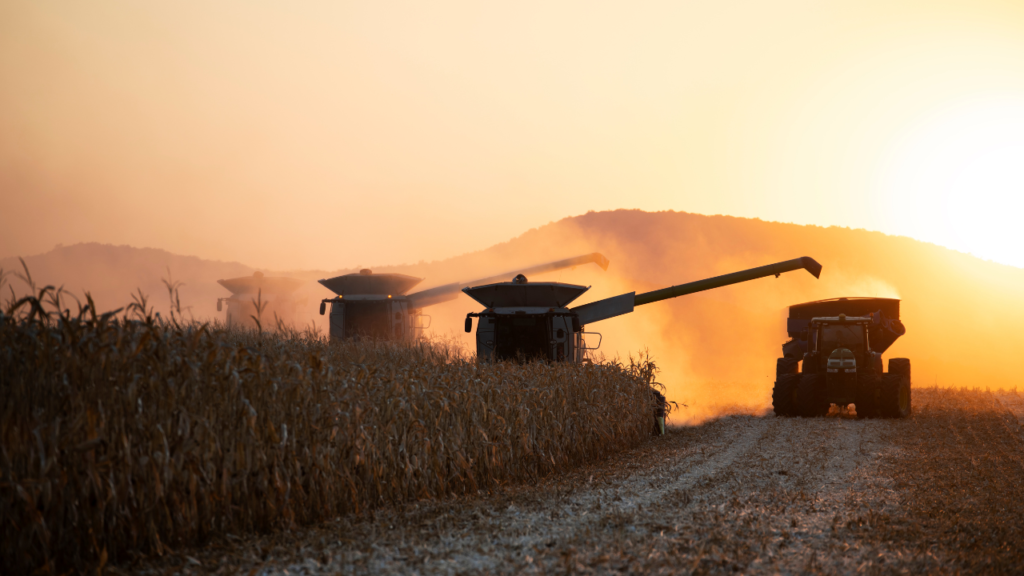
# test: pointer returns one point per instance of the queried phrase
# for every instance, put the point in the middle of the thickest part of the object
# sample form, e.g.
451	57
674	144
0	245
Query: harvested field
941	492
124	435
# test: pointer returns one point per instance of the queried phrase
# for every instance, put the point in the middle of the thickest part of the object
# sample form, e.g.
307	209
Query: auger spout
624	303
524	319
806	263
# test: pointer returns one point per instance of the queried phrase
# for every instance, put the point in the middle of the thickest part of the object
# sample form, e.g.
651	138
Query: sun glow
957	179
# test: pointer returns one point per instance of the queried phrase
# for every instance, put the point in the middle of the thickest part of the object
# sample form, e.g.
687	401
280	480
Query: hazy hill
112	273
965	316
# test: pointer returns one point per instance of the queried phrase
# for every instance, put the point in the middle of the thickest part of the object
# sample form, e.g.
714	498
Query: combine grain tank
371	305
527	320
274	294
839	345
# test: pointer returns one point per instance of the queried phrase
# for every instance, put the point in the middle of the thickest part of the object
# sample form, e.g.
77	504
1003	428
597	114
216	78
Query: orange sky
330	134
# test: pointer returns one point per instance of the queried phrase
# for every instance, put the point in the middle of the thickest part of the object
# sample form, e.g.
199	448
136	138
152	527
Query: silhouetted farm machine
838	343
259	297
371	305
525	320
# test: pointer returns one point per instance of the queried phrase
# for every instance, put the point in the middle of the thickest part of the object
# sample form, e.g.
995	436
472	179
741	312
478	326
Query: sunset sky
330	134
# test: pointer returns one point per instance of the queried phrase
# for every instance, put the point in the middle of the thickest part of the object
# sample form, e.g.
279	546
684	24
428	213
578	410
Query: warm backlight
958	179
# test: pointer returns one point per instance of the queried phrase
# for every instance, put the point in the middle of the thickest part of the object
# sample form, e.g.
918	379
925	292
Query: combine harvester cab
376	306
274	294
531	320
839	343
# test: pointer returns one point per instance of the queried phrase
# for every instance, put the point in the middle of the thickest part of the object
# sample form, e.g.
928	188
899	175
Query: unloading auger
532	319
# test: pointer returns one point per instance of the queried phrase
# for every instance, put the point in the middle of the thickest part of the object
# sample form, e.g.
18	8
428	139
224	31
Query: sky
328	134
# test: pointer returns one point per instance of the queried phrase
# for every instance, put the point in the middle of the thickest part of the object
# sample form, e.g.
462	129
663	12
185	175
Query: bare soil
940	492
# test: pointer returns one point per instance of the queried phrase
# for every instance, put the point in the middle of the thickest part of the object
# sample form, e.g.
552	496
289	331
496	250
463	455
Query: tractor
835	358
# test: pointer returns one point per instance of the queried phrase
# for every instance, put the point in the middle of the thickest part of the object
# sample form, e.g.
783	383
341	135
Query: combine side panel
604	309
337	320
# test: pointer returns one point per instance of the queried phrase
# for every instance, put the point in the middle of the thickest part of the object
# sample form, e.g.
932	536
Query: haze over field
717	348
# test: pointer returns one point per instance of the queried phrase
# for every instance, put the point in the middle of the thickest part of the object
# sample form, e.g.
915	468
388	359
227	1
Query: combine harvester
371	305
526	320
274	294
529	320
840	343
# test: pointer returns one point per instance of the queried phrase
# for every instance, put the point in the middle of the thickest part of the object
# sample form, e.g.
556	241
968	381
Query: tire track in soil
743	493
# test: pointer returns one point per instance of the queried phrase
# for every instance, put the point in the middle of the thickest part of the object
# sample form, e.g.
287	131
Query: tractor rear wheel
786	366
784	395
869	395
895	401
811	394
900	366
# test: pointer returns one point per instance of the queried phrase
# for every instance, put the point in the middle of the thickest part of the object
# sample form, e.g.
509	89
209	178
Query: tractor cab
840	349
827	335
842	332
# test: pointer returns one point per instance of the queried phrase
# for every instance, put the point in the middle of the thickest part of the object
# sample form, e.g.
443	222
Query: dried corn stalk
123	434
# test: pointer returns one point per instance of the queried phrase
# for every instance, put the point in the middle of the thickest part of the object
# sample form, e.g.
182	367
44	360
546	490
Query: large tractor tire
895	396
811	395
784	395
812	364
869	395
900	366
786	366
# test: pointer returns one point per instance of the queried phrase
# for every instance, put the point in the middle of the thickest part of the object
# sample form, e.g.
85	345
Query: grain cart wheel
895	401
901	401
869	395
784	395
900	366
786	366
813	402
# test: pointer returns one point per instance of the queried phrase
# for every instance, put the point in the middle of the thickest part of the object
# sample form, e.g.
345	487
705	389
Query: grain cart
527	320
371	305
839	345
274	295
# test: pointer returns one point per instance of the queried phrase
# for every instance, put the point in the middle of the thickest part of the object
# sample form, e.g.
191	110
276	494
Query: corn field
124	435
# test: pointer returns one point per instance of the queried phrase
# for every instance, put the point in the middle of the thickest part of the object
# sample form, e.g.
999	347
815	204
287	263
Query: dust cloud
716	349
